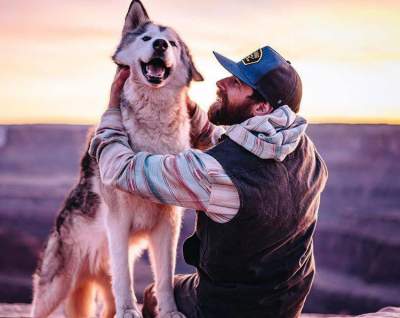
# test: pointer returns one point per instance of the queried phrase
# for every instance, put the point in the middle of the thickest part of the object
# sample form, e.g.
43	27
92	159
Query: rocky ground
356	244
23	310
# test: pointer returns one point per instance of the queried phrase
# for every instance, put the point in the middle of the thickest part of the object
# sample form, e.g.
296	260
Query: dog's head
155	54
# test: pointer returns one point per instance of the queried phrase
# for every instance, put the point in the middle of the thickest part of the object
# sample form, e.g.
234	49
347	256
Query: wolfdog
97	226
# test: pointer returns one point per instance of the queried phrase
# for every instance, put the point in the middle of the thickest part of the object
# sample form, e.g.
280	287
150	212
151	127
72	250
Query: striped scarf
271	136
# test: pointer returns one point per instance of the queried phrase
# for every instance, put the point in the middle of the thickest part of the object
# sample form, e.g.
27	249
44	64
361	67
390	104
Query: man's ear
262	108
136	16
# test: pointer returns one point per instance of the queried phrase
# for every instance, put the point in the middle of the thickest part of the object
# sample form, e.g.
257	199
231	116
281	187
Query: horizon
330	121
56	65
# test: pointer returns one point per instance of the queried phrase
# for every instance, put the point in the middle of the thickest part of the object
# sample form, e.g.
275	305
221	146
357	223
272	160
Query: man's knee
149	302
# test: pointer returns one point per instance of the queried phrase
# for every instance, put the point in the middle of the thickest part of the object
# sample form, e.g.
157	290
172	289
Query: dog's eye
173	43
146	38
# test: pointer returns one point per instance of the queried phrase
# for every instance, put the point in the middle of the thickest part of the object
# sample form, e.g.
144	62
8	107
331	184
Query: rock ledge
23	311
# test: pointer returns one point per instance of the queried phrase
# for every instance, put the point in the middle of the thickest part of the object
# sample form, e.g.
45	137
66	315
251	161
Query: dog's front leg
118	241
163	242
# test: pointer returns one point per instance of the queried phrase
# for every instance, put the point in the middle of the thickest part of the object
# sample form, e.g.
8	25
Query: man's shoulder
306	146
310	151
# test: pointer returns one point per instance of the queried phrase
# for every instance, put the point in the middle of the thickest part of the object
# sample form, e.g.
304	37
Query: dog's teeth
155	70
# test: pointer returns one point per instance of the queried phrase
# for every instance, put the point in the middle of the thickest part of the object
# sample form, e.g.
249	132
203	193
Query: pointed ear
194	74
136	15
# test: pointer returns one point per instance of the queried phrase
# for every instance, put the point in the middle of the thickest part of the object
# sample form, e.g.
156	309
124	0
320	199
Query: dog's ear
194	74
136	16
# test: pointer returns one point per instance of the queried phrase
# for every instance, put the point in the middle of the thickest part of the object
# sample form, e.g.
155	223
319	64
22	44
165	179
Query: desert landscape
357	241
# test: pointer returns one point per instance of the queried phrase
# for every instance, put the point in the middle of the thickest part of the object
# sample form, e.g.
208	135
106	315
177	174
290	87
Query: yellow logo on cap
254	57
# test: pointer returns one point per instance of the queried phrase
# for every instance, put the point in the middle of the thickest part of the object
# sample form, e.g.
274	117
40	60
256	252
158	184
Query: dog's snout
160	45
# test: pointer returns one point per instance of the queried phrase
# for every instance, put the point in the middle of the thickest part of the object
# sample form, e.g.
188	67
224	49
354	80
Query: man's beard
223	113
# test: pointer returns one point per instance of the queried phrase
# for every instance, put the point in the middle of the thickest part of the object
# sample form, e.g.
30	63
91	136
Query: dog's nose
160	45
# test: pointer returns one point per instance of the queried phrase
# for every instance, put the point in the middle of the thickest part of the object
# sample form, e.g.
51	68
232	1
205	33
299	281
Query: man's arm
191	179
203	133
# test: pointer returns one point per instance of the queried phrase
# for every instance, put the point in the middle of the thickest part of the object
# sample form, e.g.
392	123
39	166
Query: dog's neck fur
156	119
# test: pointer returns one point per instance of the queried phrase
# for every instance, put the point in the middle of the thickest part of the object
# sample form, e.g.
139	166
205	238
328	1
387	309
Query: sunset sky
55	62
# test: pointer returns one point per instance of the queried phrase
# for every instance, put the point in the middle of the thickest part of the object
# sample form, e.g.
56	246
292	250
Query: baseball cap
266	71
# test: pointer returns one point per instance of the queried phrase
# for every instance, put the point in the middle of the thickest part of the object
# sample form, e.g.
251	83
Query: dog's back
71	259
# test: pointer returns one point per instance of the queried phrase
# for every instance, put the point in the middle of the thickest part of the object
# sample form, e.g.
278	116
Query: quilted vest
260	263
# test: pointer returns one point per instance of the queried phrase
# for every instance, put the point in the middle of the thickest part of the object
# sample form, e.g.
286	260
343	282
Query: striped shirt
191	179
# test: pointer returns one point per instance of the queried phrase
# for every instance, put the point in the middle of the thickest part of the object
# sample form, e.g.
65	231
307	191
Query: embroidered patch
254	57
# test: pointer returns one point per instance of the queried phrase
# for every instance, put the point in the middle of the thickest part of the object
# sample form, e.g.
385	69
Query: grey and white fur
87	250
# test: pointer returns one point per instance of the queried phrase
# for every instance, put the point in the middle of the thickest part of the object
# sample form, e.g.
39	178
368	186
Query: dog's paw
173	314
129	313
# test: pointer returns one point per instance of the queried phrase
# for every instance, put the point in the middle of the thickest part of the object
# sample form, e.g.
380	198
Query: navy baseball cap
266	71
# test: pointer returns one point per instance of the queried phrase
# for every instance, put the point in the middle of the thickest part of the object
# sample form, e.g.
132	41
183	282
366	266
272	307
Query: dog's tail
52	279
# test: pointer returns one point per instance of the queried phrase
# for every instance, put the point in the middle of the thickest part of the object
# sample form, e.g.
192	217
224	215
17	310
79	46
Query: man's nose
221	84
160	45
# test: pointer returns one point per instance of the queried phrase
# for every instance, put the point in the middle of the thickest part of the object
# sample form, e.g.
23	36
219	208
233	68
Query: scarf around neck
271	136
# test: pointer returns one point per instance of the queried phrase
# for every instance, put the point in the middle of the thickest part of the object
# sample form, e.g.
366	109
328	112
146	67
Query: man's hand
116	87
191	106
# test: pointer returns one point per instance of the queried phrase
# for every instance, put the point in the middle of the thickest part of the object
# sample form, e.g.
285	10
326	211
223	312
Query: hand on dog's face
117	86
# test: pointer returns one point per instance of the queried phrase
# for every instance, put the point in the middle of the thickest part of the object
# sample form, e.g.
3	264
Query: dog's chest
156	142
157	132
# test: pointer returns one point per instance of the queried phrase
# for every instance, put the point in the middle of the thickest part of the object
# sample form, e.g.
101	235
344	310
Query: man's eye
173	43
146	38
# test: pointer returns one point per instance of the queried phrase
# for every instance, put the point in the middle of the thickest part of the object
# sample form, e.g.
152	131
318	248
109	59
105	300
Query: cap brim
232	68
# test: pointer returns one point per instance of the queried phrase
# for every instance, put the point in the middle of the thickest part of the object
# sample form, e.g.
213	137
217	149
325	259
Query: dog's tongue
155	70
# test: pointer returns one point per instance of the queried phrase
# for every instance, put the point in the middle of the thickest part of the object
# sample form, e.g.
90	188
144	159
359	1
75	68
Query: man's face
233	104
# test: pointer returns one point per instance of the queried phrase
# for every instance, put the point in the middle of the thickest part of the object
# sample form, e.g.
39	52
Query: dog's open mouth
155	70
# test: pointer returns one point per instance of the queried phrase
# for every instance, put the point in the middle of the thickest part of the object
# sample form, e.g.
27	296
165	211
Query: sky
55	64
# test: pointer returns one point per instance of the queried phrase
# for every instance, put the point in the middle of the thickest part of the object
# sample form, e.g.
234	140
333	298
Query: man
257	192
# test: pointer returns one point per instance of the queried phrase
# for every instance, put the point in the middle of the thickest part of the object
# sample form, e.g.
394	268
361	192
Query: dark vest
260	263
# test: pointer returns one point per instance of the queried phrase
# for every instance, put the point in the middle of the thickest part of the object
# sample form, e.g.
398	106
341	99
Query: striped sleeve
191	179
203	133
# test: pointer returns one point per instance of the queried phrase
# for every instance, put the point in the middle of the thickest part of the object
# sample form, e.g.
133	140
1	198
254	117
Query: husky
101	230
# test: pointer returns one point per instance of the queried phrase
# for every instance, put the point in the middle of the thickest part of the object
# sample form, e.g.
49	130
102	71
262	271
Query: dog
87	251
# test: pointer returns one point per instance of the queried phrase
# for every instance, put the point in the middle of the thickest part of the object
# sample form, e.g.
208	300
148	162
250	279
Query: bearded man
256	192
